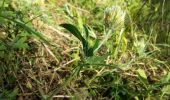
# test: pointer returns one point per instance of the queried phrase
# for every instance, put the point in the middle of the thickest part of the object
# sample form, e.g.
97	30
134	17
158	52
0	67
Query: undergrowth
87	49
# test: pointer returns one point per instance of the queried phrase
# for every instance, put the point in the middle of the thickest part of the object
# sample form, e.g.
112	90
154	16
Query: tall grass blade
96	45
86	29
26	28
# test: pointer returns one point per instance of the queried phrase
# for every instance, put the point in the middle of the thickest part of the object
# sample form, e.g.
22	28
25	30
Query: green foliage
9	95
125	45
88	50
15	31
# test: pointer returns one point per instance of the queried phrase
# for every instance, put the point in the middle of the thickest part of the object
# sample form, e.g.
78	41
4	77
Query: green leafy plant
128	60
16	31
87	48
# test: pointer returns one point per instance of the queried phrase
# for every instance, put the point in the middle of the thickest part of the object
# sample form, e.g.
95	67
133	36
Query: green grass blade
86	29
26	28
30	30
96	45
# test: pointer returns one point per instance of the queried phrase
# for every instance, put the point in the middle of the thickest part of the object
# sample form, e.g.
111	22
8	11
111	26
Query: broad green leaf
71	28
